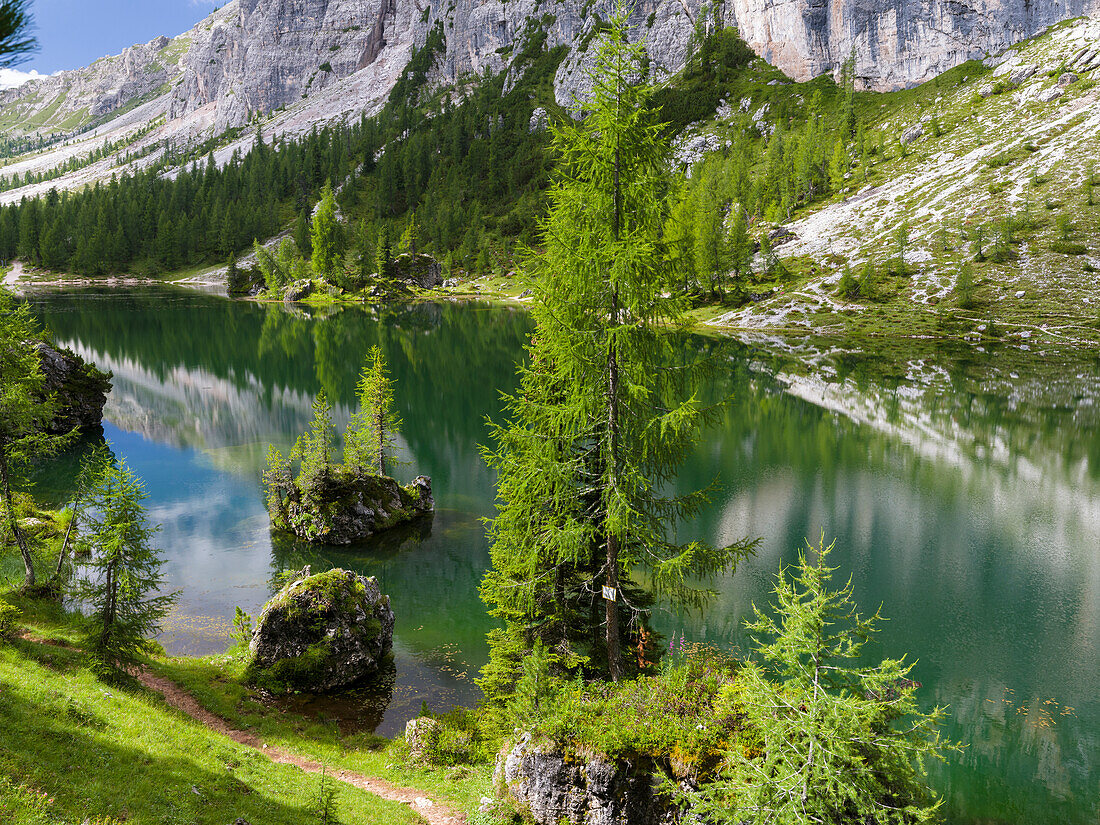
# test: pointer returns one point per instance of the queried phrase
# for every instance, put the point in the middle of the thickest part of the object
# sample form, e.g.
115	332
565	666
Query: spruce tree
122	577
382	255
15	22
598	426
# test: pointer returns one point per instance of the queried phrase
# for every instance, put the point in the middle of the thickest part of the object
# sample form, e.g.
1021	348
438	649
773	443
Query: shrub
848	287
9	620
1068	247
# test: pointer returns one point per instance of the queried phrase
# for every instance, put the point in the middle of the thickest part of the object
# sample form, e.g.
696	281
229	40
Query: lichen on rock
321	632
551	788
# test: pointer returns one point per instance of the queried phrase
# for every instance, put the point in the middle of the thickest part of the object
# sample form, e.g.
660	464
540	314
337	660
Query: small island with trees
321	501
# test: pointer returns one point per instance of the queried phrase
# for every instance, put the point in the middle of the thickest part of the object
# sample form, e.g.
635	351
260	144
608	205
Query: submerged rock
343	507
80	389
553	789
322	632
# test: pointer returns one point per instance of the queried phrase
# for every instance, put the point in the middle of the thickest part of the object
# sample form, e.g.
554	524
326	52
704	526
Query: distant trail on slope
436	813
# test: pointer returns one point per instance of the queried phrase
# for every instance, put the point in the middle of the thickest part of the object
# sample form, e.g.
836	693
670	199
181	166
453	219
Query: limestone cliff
293	64
896	43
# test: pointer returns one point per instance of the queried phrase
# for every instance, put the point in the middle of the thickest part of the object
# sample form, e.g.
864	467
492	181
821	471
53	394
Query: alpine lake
961	486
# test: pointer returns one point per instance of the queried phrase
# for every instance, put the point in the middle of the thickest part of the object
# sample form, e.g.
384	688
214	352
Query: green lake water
962	489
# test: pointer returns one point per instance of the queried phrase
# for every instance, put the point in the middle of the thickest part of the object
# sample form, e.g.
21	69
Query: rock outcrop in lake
323	632
343	507
552	789
79	388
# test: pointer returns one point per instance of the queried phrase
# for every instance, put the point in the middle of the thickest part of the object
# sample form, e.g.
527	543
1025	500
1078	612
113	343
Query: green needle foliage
25	413
828	739
600	423
369	440
15	22
326	236
122	578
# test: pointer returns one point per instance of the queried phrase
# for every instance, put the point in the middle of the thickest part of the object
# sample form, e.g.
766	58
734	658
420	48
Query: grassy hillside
74	749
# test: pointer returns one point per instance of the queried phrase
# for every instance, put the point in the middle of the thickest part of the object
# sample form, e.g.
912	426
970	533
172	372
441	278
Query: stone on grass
554	788
298	291
913	133
422	737
322	632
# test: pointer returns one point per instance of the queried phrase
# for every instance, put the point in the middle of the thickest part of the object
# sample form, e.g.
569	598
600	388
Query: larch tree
326	236
25	413
122	579
834	738
372	431
600	422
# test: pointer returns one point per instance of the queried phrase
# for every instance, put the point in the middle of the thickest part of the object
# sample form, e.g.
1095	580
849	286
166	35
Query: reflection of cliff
194	408
969	506
194	370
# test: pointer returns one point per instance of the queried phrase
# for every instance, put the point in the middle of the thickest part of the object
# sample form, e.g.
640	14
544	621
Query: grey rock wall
255	56
897	43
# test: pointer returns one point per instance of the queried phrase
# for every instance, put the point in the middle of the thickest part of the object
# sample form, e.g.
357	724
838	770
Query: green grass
216	683
73	748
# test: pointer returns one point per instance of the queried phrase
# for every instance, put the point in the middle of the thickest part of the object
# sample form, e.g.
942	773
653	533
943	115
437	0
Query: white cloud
10	78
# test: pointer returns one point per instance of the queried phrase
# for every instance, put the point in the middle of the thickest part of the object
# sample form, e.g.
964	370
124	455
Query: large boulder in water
343	507
78	387
322	632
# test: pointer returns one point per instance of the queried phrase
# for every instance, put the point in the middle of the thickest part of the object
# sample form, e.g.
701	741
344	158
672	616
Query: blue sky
73	33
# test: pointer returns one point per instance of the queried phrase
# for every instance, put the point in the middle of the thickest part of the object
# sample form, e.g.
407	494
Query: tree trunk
65	544
20	539
109	609
614	655
381	445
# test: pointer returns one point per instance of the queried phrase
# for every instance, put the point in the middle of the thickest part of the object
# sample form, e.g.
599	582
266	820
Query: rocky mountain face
896	43
294	64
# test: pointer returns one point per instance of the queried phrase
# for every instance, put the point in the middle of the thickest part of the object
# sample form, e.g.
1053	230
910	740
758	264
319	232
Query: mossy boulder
343	507
79	388
320	633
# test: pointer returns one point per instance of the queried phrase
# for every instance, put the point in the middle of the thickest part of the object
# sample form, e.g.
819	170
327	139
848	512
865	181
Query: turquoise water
962	489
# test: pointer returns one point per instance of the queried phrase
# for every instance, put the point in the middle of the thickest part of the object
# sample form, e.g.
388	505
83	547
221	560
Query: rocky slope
291	64
1015	139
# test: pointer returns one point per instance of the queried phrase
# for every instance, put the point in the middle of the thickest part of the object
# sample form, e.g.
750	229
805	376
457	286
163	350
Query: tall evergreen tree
369	440
123	575
25	413
597	427
326	236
